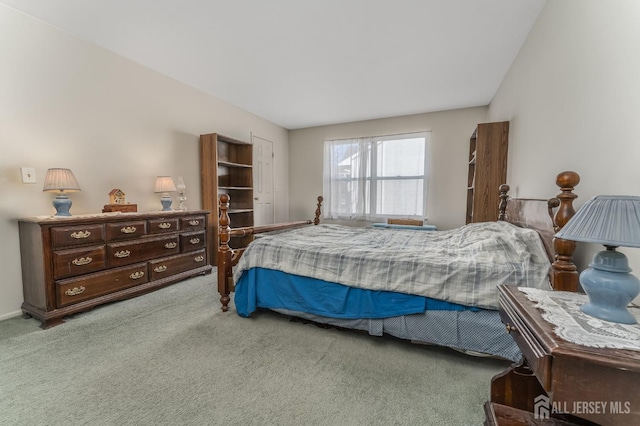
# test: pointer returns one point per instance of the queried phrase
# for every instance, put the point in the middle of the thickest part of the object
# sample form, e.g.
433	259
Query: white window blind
374	177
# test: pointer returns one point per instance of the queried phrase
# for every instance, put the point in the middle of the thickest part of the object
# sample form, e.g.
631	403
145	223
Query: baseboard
10	315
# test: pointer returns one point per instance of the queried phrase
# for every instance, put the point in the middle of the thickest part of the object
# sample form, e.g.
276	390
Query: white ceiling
304	63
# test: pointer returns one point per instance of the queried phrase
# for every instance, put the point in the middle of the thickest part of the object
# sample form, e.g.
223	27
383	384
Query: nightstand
587	384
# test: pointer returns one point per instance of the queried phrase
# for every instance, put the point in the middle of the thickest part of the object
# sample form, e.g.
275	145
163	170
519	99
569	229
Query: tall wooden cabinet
487	170
226	167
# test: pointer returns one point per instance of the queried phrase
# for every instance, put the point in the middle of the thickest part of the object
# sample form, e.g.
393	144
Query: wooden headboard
539	215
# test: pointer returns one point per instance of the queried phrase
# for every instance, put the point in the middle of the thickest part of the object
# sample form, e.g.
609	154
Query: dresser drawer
125	230
72	262
191	223
174	265
65	236
126	253
76	290
192	241
158	226
537	357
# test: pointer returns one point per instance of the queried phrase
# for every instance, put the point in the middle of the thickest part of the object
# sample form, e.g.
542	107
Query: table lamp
614	221
165	185
61	181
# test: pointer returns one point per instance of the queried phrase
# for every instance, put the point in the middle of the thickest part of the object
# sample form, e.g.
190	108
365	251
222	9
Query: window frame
370	212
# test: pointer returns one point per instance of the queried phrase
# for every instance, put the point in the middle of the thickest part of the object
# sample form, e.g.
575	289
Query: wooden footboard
228	257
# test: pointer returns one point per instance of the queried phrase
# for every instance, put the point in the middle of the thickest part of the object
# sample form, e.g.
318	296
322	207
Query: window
374	177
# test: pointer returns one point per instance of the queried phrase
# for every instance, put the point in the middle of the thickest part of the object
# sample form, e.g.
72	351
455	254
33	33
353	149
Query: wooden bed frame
532	214
528	213
228	257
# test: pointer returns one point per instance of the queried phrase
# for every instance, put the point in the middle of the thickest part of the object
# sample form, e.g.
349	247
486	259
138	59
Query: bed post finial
224	252
566	181
565	274
316	220
504	196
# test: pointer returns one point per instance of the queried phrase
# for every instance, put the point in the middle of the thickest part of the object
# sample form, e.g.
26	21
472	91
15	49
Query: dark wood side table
593	385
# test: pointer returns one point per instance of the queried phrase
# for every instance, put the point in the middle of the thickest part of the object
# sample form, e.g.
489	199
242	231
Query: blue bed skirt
267	288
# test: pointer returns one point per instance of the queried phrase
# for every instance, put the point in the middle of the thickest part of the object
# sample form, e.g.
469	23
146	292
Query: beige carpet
172	357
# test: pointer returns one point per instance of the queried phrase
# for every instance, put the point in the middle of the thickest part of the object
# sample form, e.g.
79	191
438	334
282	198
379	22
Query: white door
262	181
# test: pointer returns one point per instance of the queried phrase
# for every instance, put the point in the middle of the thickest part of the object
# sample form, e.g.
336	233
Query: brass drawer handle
75	291
171	245
122	253
128	230
164	225
160	268
194	222
194	240
136	275
198	258
82	261
80	234
511	328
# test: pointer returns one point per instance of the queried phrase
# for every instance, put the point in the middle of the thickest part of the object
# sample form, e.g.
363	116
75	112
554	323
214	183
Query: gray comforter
462	265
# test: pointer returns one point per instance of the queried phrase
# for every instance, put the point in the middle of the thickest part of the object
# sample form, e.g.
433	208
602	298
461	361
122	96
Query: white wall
116	124
450	133
573	99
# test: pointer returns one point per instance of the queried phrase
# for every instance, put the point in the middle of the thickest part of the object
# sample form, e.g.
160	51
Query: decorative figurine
116	196
117	203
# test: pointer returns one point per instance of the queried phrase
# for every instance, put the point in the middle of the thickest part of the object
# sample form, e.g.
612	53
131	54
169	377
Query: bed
427	287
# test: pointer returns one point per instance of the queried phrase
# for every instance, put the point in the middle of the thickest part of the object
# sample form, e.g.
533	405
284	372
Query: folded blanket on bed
462	265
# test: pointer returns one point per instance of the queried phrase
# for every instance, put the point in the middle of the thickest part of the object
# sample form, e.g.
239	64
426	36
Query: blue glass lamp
61	181
165	185
613	221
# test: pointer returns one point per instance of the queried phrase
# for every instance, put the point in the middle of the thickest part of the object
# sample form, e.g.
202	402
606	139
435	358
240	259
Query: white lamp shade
611	220
165	184
60	180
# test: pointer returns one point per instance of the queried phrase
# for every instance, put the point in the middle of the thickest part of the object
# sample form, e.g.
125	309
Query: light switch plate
28	174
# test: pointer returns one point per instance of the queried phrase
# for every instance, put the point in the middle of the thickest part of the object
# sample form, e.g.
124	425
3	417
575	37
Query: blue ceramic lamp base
166	202
62	203
610	287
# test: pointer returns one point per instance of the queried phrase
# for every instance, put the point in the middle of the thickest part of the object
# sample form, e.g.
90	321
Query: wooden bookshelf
487	170
226	166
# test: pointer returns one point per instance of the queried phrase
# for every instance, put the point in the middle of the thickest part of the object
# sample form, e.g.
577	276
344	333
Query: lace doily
562	310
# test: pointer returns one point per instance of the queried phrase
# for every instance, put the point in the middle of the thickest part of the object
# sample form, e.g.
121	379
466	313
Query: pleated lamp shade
611	220
165	184
60	180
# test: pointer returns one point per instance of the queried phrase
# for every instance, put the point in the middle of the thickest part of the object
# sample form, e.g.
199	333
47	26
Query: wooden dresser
72	264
